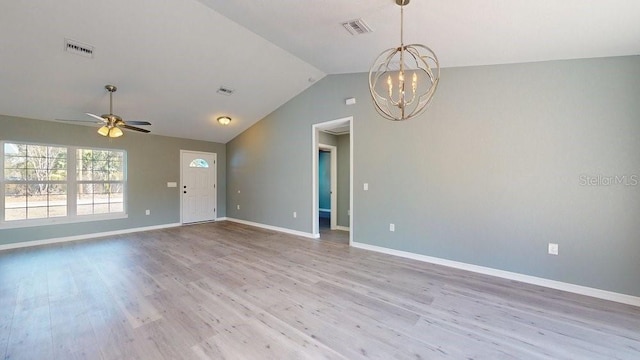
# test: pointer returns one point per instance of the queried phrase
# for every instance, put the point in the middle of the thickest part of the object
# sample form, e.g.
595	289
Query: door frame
315	128
215	181
333	150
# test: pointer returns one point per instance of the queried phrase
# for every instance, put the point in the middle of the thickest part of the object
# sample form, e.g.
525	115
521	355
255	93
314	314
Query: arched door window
199	163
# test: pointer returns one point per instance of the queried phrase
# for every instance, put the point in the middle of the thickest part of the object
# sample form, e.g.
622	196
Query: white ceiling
169	57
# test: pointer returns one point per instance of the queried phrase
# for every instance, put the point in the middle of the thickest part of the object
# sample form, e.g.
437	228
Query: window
35	181
199	163
100	179
52	184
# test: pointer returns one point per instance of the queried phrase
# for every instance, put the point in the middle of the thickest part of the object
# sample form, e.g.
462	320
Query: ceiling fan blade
128	127
138	122
79	121
97	117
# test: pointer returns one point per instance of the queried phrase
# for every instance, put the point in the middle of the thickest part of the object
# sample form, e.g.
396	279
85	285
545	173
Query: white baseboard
553	284
84	236
222	218
342	228
274	228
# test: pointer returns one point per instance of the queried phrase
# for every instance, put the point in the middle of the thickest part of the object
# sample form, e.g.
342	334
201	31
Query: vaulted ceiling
169	58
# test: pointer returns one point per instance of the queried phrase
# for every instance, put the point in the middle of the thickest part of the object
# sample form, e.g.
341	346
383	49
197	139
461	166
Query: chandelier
402	80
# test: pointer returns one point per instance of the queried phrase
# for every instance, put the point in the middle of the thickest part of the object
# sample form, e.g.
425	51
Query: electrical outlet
392	227
295	214
147	212
553	249
366	186
238	207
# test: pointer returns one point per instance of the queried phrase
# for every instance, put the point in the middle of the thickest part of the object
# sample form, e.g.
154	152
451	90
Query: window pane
58	195
36	193
15	214
35	175
15	202
14	162
101	209
199	163
116	207
36	212
15	174
11	149
58	168
100	175
57	211
85	209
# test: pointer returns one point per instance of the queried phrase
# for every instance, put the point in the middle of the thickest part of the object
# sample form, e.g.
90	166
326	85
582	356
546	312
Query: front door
198	186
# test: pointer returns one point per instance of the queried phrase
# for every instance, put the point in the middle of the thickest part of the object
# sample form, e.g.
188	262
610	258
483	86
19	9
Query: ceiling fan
112	124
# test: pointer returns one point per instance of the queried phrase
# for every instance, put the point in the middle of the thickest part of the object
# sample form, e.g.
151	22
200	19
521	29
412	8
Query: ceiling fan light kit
113	132
389	77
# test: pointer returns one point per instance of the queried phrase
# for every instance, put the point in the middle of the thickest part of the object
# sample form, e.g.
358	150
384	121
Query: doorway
198	171
342	187
327	186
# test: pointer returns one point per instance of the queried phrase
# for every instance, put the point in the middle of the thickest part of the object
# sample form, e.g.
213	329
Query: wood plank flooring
229	291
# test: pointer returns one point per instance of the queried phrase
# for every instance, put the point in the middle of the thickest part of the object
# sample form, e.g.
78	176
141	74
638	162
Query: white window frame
72	190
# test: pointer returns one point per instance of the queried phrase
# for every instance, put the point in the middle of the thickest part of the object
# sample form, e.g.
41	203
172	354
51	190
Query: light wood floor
228	291
326	234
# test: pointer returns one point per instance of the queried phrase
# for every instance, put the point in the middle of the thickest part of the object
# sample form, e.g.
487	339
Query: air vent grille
78	48
225	91
357	27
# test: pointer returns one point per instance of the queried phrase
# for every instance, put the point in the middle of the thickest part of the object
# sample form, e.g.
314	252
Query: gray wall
327	139
344	144
152	162
489	175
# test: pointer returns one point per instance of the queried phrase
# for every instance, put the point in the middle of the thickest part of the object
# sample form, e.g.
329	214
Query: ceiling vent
357	27
225	91
78	48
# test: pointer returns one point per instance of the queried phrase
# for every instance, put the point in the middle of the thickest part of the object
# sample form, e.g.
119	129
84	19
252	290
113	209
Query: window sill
59	221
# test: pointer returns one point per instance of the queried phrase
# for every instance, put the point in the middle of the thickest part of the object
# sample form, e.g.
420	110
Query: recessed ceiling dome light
224	120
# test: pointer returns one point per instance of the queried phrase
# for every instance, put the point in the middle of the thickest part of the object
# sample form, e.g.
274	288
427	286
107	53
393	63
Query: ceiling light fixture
389	71
224	120
112	132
